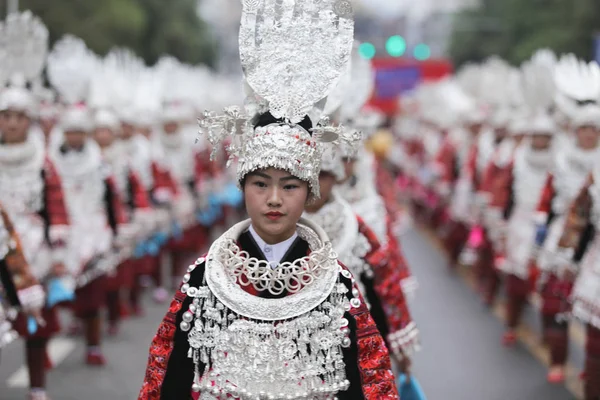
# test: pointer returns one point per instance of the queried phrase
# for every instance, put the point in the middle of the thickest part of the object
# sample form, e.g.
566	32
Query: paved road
72	380
461	357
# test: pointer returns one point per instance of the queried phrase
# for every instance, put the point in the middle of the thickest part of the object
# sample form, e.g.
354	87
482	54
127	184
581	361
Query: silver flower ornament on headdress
293	52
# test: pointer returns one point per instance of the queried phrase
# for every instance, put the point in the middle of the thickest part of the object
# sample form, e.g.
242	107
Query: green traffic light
422	52
396	46
367	50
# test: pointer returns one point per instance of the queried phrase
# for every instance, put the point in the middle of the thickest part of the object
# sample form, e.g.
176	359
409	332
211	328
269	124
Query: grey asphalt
461	359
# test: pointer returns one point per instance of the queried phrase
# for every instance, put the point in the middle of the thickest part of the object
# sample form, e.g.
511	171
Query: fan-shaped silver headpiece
293	52
23	50
578	90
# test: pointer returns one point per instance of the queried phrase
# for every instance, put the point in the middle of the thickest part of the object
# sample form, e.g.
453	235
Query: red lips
274	215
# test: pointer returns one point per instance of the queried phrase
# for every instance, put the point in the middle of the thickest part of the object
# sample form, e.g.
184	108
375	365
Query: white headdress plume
122	68
578	90
339	92
516	97
346	101
500	90
544	57
538	83
362	81
24	43
469	78
71	66
539	90
99	95
293	52
186	83
149	92
23	50
495	74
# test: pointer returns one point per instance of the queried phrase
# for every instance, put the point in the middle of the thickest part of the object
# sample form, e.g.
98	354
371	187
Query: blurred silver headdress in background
23	50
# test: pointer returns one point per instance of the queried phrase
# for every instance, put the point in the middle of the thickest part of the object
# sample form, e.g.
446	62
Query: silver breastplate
21	189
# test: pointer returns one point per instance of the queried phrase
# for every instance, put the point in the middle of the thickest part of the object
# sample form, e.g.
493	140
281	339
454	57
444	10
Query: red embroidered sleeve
57	216
387	189
117	207
376	255
204	167
578	217
387	267
55	200
471	166
548	193
163	180
373	357
444	162
500	187
396	256
160	351
140	195
488	177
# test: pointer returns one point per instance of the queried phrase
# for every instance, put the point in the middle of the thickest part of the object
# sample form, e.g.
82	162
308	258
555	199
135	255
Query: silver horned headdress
293	52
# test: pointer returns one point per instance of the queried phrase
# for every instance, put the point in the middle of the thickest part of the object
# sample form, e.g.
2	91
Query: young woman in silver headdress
559	250
30	188
269	312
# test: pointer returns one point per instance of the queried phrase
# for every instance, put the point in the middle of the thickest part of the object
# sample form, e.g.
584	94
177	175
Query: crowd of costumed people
268	223
502	163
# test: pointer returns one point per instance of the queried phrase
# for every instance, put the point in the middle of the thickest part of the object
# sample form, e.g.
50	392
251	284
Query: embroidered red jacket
400	330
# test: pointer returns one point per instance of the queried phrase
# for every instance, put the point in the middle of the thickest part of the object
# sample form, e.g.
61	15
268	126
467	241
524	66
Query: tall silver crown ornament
349	137
293	52
23	50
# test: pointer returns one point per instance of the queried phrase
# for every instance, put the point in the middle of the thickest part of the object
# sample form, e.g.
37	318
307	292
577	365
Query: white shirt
273	252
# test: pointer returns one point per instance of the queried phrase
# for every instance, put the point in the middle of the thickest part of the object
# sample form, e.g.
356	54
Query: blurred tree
176	29
149	27
514	29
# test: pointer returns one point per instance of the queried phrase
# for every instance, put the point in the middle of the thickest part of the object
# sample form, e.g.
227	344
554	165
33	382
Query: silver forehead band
283	146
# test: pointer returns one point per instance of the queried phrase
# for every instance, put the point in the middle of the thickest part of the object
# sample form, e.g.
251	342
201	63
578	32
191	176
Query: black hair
268	119
586	102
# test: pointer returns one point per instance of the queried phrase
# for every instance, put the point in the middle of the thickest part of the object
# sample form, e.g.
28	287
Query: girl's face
275	202
500	133
326	183
14	126
127	130
75	139
171	127
541	142
587	137
104	137
475	128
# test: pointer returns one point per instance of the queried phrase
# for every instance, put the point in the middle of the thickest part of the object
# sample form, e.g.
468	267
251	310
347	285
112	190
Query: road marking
58	349
526	334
